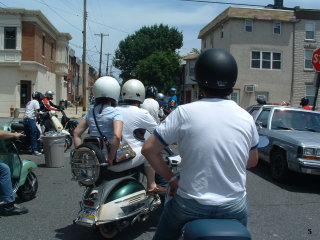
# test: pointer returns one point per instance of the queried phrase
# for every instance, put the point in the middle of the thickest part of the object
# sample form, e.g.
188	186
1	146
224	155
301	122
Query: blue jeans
33	133
6	192
178	211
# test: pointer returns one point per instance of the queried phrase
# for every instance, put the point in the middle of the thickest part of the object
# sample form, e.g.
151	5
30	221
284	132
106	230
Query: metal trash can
53	146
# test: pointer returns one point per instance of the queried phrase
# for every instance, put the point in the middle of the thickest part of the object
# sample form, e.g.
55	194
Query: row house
273	48
33	57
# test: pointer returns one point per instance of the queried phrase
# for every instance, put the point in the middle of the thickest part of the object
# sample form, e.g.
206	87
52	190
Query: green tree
162	69
142	44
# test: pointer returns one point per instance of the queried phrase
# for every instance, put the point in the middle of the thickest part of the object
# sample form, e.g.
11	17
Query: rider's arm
8	135
253	158
82	126
48	106
152	151
117	133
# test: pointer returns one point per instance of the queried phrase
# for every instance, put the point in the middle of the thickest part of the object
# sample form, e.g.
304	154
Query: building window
265	60
43	45
235	96
310	92
211	39
248	25
310	31
308	59
277	27
52	51
221	32
191	71
10	37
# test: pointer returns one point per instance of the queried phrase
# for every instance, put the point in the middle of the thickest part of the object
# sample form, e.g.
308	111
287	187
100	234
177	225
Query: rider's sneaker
13	209
37	153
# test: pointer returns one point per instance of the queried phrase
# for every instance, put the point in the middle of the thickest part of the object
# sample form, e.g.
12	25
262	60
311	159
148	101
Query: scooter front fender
27	166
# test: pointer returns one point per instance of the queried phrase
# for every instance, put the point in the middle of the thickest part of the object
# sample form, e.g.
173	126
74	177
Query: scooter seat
215	229
17	126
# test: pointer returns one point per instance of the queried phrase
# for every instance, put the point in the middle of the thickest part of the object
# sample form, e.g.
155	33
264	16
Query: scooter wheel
28	190
108	230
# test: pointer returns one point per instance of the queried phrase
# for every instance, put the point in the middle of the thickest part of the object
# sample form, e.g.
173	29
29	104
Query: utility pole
101	36
107	68
84	64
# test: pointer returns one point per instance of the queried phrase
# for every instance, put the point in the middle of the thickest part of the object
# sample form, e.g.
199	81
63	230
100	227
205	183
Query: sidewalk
73	112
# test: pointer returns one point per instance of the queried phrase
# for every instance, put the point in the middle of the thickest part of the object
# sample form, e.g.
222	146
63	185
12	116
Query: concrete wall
241	43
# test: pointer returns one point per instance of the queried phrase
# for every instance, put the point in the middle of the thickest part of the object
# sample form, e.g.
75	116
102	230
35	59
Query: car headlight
318	153
309	151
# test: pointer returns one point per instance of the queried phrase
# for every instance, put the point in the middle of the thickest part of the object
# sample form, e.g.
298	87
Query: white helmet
134	90
107	87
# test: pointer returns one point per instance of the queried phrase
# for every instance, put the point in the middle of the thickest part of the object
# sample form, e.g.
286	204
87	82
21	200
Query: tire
99	157
108	230
28	190
67	142
279	166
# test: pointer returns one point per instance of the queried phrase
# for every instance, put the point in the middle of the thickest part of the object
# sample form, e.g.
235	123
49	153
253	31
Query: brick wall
32	37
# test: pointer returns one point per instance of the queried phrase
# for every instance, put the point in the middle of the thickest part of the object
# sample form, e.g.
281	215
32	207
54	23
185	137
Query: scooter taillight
90	200
88	203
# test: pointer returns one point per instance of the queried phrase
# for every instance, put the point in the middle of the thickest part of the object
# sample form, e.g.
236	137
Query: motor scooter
24	180
211	229
111	201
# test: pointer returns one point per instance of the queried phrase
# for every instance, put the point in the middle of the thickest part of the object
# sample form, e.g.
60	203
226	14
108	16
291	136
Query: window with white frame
265	60
310	31
277	27
310	92
308	59
235	95
10	37
248	25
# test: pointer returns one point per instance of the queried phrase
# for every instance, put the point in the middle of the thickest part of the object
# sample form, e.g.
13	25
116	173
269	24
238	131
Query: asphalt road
277	211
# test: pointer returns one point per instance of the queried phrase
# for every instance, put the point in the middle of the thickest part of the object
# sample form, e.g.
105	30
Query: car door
262	121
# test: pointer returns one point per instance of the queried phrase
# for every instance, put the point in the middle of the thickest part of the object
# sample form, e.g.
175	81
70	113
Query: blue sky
119	18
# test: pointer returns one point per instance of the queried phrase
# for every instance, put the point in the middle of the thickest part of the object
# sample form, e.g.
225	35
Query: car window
254	112
263	118
295	120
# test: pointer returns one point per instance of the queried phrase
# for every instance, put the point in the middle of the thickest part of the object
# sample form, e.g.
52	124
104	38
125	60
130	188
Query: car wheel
279	166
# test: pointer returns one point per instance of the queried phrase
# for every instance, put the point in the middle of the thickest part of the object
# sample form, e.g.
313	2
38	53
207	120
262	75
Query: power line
60	16
228	3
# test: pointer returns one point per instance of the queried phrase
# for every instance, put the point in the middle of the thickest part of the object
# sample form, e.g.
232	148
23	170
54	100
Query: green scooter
24	180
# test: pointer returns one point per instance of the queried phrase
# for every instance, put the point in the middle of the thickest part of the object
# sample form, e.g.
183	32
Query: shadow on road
75	232
297	182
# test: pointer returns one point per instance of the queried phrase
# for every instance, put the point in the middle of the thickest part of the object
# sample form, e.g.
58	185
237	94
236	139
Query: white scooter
111	201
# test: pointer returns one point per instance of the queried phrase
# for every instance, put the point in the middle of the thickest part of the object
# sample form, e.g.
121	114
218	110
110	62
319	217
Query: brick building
33	57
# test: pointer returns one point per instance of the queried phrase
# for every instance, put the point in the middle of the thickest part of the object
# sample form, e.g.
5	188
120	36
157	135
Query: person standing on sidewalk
30	117
217	141
6	193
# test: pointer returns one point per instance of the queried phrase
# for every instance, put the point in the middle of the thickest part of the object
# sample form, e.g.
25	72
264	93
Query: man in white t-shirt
217	141
151	105
136	122
30	117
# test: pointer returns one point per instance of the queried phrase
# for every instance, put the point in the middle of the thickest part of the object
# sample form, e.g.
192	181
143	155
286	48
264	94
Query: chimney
278	4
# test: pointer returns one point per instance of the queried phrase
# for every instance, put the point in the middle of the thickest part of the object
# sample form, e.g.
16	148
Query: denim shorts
178	211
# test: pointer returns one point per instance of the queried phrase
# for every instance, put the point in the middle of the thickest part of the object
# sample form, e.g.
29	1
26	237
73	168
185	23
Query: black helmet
37	95
151	91
261	100
304	101
216	69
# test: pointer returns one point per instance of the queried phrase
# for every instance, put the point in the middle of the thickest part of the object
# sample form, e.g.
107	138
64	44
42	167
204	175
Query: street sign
316	60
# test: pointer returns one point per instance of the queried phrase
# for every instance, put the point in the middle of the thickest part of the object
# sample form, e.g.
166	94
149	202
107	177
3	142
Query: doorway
25	93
